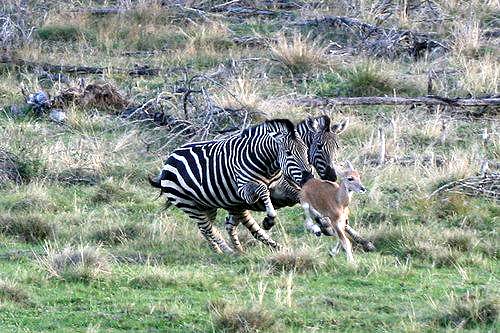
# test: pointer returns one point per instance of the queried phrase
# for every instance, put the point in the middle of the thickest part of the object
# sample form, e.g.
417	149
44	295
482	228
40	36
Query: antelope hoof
268	222
318	233
368	247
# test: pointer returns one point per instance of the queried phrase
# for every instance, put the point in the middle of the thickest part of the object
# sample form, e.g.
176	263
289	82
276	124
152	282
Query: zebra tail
157	183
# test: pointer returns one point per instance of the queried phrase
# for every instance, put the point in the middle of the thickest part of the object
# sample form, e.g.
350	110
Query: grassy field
85	247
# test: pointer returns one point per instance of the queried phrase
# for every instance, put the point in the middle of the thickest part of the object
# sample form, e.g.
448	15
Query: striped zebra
320	136
233	174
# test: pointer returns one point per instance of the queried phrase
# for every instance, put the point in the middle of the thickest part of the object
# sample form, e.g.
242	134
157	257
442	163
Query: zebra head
322	141
292	151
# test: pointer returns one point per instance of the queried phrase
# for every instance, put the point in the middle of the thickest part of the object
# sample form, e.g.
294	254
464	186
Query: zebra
320	136
233	174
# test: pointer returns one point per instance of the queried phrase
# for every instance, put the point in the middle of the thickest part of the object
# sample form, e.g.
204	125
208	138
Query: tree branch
384	100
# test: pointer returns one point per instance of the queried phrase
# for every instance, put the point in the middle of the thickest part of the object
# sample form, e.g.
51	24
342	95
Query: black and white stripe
233	174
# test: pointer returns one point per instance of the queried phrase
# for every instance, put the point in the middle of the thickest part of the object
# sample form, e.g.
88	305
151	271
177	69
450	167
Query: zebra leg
231	227
248	221
367	245
251	192
211	234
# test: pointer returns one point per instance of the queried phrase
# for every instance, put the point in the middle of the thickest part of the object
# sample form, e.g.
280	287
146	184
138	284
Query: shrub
29	228
231	318
81	263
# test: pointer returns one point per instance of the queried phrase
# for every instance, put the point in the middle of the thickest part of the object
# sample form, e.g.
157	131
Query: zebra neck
304	133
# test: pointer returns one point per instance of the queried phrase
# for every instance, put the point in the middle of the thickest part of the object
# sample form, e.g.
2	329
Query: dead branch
378	40
77	69
487	185
386	100
100	11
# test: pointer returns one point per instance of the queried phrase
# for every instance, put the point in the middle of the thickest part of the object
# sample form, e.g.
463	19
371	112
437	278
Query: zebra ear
340	127
312	124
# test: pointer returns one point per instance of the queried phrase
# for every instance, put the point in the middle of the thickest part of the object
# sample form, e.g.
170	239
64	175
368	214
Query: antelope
328	203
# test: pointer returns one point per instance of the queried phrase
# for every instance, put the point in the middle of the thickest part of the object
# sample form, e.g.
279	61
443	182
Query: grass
85	245
298	55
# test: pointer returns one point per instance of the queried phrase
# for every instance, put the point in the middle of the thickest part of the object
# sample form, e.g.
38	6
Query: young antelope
328	203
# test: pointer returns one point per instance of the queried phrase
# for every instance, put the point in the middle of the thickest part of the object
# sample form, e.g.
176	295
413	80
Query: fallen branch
77	69
385	100
378	40
487	185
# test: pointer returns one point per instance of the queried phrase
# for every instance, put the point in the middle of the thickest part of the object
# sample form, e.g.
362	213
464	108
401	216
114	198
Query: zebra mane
275	123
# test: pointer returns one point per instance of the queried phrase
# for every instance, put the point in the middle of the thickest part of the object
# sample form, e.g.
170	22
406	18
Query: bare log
101	10
385	100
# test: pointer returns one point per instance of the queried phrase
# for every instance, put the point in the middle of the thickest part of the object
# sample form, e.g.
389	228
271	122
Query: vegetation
85	246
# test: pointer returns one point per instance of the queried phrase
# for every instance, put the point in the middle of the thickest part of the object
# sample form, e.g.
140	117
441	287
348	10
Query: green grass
85	247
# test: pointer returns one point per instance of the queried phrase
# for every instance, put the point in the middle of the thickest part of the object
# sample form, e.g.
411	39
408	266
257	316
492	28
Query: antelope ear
349	165
312	124
340	127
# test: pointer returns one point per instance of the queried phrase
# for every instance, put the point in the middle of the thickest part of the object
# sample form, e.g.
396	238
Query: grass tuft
118	234
300	54
235	319
80	263
12	292
29	228
109	192
294	260
468	311
59	33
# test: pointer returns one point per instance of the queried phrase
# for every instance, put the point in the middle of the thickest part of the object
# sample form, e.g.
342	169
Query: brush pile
487	185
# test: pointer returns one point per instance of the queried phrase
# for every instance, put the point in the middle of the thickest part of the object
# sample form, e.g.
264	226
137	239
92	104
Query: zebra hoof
369	247
268	223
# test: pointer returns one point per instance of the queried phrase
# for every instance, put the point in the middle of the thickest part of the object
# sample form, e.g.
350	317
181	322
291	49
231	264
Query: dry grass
74	263
480	76
467	39
206	38
236	319
298	260
243	93
298	55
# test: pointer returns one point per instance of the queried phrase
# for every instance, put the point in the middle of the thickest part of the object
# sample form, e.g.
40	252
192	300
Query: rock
58	115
